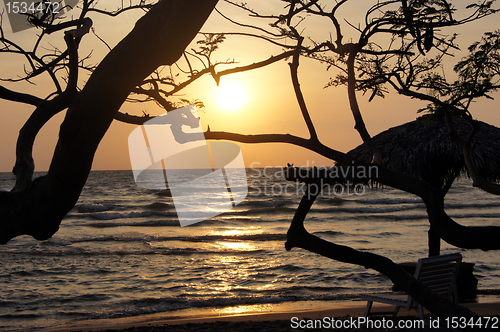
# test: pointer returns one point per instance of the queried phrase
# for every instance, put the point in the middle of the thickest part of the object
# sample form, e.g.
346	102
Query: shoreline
255	318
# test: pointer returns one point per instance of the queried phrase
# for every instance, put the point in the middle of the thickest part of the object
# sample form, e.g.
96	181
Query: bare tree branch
19	97
143	6
25	165
298	92
298	236
257	65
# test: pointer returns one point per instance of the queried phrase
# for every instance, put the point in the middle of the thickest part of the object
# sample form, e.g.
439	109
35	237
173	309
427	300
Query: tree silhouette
36	207
414	48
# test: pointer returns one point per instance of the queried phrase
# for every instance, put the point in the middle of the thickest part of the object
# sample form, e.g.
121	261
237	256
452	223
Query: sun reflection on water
241	309
233	272
234	231
236	245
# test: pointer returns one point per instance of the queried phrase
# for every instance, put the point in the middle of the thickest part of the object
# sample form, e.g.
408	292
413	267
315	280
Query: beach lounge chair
438	273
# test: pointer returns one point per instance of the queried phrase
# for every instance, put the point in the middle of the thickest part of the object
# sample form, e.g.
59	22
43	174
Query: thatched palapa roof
423	148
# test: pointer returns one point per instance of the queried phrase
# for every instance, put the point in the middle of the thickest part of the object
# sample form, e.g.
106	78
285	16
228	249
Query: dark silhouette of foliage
400	46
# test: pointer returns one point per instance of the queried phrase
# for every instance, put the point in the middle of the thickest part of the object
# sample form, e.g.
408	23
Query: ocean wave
387	234
239	218
147	223
475	215
125	252
390	217
56	241
112	219
271	203
129	215
159	206
362	210
85	208
262	203
203	238
390	201
165	192
471	205
330	233
330	201
419	203
424	216
21	316
153	305
148	245
119	215
284	267
259	209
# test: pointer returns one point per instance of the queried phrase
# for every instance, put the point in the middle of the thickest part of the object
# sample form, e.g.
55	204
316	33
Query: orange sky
270	105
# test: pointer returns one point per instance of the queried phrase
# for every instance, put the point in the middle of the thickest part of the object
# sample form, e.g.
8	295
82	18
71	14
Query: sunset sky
265	101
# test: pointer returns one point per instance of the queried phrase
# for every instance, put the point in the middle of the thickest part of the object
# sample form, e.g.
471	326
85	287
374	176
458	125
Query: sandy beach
246	319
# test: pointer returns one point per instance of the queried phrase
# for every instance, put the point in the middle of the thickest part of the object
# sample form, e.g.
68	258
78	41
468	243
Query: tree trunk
434	243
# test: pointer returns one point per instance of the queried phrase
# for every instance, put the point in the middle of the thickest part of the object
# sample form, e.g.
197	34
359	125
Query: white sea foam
85	208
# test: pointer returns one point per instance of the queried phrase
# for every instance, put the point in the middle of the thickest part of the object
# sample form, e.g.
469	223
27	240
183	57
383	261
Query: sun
230	97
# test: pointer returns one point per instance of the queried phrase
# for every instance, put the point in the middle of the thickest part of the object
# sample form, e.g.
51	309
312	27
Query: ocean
121	252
